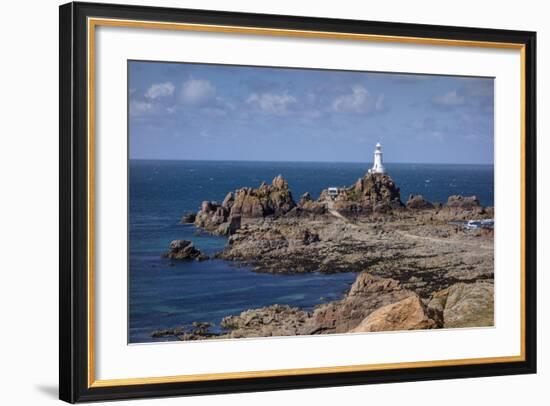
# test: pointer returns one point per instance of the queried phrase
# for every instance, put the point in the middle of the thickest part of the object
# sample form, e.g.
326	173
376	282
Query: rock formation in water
247	203
267	200
184	250
188	218
211	216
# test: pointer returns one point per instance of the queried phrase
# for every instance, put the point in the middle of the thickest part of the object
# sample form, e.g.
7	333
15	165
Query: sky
222	112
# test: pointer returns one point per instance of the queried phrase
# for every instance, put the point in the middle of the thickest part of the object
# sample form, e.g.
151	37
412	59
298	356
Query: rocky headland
417	268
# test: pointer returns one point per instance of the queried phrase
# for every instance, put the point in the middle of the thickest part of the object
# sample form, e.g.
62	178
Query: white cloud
272	103
360	100
139	108
449	99
197	92
158	90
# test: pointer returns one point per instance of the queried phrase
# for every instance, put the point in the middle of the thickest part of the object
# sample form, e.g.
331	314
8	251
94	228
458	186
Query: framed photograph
256	202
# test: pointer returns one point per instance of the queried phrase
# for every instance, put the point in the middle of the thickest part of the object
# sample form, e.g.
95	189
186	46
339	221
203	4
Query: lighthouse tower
378	166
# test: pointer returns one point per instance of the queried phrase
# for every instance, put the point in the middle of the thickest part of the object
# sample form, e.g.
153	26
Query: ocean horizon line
311	162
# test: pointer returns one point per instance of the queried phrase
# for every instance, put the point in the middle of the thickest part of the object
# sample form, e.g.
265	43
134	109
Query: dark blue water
165	294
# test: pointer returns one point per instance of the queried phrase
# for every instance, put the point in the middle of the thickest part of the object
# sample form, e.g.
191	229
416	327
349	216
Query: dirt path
415	237
444	240
340	217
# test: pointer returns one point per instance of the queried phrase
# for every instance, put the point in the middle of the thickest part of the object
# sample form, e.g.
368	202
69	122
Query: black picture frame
73	283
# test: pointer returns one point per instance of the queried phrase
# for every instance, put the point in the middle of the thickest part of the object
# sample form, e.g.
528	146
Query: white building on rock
378	166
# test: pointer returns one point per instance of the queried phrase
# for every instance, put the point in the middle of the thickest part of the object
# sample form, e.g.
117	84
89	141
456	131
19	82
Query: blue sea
166	294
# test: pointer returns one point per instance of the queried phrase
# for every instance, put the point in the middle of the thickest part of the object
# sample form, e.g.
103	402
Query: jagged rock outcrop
188	218
228	201
267	200
184	250
246	203
217	218
465	304
373	193
210	216
460	207
417	202
407	314
376	188
307	207
230	226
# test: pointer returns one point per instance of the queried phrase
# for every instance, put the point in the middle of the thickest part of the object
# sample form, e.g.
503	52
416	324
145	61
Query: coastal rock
188	218
377	189
229	227
460	207
404	244
169	332
211	215
184	250
352	209
373	193
303	237
204	216
465	304
367	294
417	202
276	320
220	215
463	202
305	199
228	201
407	314
372	304
197	331
307	207
267	200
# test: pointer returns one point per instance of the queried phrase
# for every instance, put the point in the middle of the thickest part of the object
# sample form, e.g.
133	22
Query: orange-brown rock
466	304
407	314
367	294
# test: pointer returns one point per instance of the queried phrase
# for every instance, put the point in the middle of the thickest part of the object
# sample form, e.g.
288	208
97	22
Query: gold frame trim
94	22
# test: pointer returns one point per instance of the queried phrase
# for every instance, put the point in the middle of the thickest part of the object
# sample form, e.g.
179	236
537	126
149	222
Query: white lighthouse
378	166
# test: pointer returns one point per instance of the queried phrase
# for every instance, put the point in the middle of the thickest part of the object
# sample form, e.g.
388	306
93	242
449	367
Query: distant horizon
194	111
369	163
